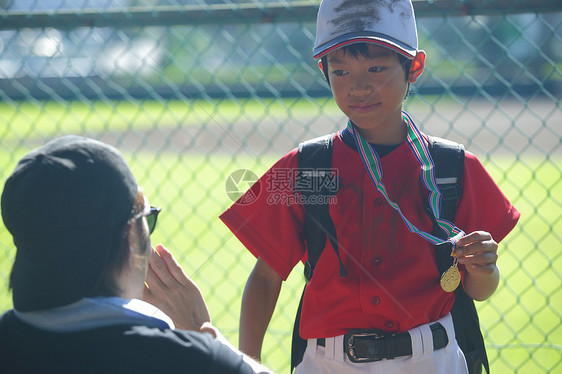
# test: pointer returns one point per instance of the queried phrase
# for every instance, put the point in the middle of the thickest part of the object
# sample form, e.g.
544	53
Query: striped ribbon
372	163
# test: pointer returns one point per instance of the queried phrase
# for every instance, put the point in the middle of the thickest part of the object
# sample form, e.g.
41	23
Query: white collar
90	313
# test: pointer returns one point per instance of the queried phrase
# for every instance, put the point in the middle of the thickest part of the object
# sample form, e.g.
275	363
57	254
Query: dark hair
107	285
362	49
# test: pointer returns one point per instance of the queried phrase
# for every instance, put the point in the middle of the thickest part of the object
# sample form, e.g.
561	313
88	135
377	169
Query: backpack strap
314	161
448	158
298	344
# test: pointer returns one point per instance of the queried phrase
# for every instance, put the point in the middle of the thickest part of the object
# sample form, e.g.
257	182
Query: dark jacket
113	349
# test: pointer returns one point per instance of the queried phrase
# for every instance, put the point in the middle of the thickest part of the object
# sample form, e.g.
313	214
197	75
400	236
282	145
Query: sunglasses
151	215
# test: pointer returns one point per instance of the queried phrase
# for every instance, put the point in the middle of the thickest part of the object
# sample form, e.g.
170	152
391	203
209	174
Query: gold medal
451	278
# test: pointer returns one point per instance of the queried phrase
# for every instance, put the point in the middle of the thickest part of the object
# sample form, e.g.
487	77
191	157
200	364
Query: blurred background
202	96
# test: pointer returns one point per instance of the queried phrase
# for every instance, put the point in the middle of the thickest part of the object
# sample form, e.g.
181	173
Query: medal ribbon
372	163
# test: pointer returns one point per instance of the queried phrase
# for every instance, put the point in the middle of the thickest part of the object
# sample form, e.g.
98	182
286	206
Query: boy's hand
478	252
168	288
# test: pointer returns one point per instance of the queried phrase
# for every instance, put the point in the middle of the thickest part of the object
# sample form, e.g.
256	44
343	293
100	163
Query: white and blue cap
390	23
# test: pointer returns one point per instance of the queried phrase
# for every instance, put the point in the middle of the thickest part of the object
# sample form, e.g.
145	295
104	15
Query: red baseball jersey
393	280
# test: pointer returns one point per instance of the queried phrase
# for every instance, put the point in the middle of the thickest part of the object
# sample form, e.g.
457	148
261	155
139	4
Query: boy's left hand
478	252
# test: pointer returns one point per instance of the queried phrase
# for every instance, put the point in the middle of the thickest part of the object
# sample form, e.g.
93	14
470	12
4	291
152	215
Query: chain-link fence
193	91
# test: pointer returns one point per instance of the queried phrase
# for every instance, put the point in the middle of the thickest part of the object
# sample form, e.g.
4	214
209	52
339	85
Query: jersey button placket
376	262
375	300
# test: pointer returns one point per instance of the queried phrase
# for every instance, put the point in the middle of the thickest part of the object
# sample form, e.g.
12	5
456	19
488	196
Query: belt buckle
349	342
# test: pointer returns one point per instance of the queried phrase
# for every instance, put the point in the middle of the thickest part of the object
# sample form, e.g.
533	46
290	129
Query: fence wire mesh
202	96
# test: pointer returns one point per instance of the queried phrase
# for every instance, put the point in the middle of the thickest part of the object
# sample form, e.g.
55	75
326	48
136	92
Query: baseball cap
390	23
66	205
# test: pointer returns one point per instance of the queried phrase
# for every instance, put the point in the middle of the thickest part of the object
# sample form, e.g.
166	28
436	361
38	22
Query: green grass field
521	321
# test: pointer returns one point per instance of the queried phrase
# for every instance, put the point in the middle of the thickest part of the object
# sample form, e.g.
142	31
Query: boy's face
370	91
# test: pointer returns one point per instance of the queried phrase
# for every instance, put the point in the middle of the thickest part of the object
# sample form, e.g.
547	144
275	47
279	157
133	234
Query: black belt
376	345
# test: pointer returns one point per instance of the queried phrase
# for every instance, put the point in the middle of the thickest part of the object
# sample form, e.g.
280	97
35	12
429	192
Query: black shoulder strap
315	189
317	185
448	158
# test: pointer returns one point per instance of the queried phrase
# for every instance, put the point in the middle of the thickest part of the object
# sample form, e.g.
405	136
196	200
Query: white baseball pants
332	359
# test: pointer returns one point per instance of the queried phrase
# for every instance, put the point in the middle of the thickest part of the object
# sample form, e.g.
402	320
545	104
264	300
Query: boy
369	54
